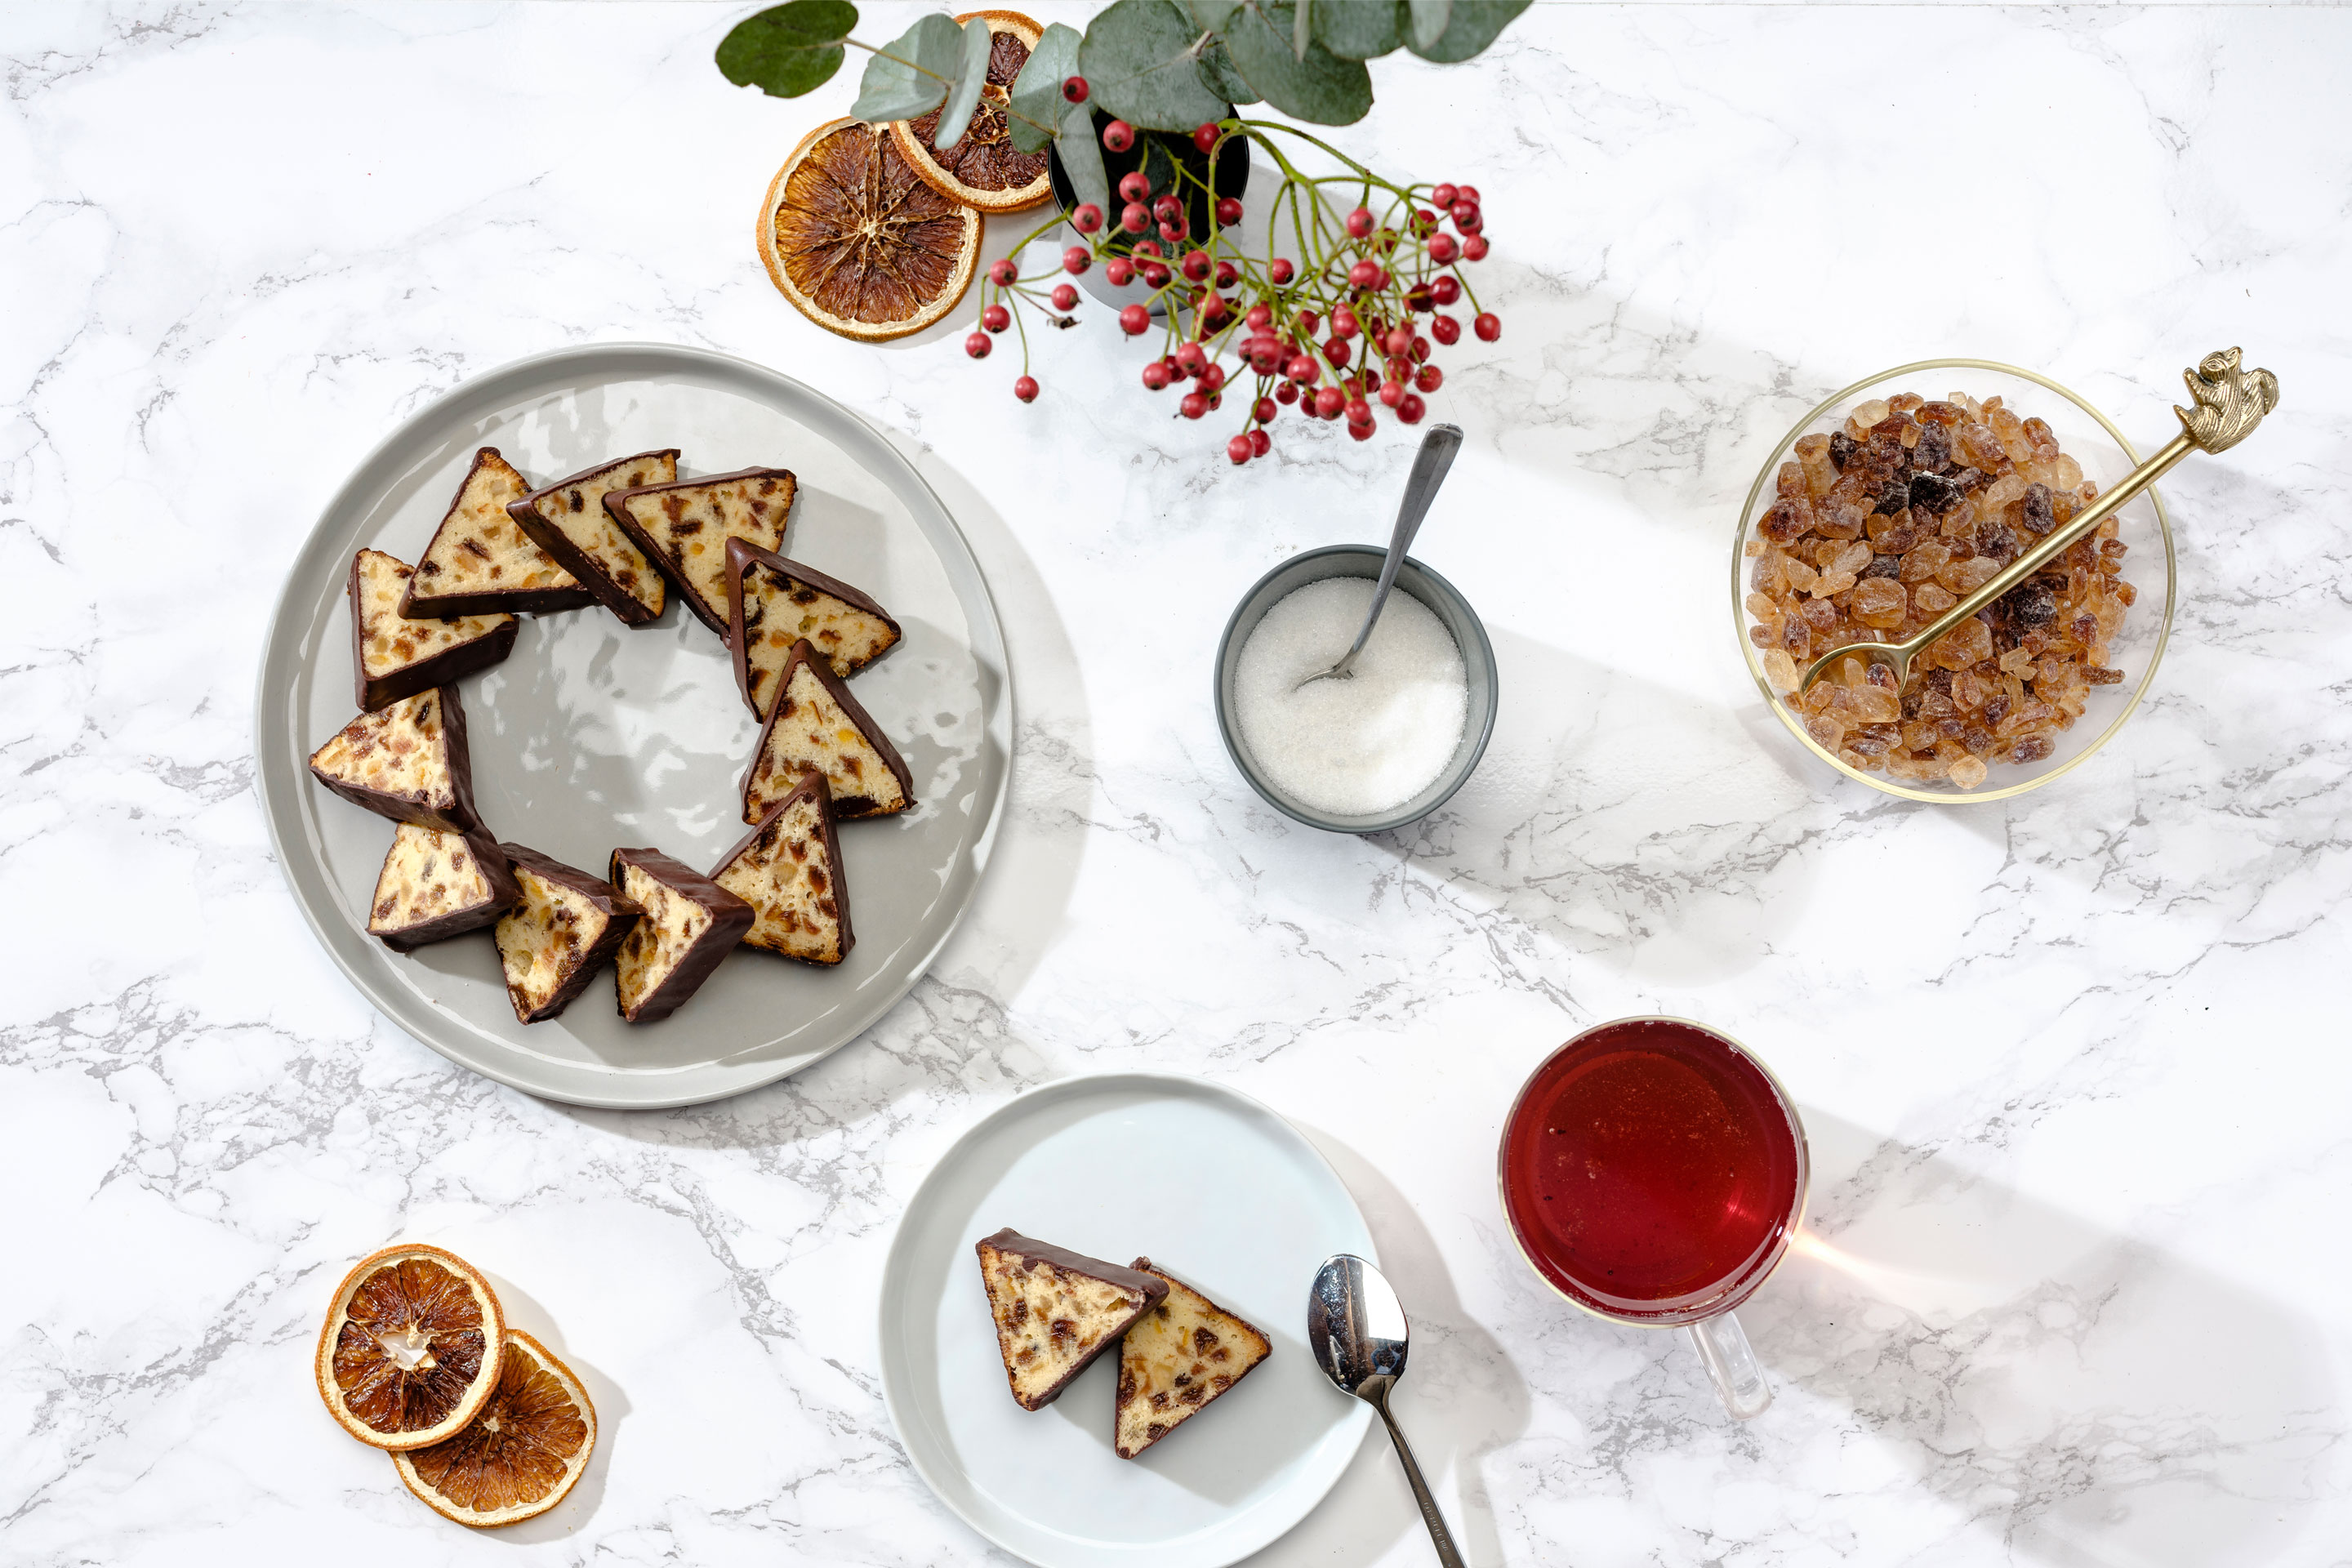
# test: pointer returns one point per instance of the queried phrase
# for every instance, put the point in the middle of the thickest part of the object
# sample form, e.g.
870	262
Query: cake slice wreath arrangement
872	227
620	538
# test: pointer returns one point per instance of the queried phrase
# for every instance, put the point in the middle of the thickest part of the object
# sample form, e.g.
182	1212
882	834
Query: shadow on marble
524	1312
1461	1400
2088	1397
1638	835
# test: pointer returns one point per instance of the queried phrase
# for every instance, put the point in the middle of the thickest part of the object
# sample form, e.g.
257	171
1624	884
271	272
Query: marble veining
2069	1292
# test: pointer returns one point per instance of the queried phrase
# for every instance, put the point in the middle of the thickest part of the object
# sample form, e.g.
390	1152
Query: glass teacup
1652	1173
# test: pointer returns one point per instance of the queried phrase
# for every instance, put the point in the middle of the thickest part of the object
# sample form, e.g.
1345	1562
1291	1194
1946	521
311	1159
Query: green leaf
894	89
1470	27
1138	58
971	75
1358	29
1428	25
1218	75
1301	34
1322	88
1158	167
1081	157
1211	15
787	50
1037	90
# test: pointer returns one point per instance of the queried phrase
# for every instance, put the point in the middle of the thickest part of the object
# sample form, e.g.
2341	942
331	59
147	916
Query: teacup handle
1731	1365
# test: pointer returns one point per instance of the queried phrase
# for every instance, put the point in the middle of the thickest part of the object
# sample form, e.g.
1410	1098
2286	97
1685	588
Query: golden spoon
2230	402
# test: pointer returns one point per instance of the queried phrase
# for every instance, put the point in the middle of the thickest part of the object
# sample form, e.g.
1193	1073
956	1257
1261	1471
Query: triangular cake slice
479	561
690	923
684	526
773	604
394	656
568	520
436	885
1056	1311
816	723
789	870
407	762
1183	1353
565	926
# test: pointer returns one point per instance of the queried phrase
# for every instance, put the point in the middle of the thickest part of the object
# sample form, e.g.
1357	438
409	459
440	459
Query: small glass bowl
1443	598
2091	439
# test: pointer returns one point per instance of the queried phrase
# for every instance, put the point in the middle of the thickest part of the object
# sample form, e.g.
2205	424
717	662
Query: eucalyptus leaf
971	75
1158	167
1211	15
1470	27
1428	22
1301	33
893	89
787	50
1137	56
1218	75
1081	157
1322	88
1358	29
1037	90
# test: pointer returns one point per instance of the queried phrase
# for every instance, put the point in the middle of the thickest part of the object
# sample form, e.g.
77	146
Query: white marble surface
2072	1064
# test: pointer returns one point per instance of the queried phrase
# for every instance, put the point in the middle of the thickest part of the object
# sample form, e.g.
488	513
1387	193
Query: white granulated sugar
1359	745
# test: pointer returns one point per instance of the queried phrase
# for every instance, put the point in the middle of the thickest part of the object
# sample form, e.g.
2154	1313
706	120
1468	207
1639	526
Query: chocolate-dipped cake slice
565	926
773	604
407	762
479	562
816	723
789	870
1179	1356
568	520
690	923
1056	1311
683	528
394	656
436	885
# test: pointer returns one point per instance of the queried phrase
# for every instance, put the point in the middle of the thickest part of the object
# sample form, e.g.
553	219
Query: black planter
1233	178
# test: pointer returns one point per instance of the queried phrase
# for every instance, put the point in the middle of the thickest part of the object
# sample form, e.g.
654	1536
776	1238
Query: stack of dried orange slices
874	234
482	1421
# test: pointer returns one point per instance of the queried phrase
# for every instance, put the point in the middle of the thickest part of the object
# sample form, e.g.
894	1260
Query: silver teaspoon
1429	467
1358	1331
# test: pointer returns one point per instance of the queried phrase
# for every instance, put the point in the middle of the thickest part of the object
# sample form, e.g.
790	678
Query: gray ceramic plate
1216	1189
593	736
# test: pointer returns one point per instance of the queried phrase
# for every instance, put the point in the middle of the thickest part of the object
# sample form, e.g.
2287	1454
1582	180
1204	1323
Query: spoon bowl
1356	1324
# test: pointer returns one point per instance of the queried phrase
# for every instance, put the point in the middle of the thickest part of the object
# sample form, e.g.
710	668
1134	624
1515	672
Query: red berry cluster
1344	335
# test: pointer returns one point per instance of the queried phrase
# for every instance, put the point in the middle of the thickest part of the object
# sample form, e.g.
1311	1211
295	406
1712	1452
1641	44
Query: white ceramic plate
1214	1188
593	736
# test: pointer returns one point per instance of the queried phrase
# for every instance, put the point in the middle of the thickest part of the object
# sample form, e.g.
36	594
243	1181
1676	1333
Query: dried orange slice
983	169
857	243
410	1351
522	1453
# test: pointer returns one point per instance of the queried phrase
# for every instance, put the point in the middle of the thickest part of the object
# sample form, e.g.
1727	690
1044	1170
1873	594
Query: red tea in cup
1652	1170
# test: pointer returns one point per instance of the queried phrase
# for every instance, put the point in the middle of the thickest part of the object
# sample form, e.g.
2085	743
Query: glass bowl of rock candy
1899	495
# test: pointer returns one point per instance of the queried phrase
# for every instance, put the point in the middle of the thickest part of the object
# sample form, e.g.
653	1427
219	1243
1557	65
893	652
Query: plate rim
895	1265
272	730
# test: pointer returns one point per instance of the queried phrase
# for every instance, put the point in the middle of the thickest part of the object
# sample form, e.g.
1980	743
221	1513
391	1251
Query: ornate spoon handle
2230	402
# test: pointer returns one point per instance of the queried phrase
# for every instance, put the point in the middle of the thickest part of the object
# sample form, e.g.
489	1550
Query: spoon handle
1440	1537
1429	467
2054	543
